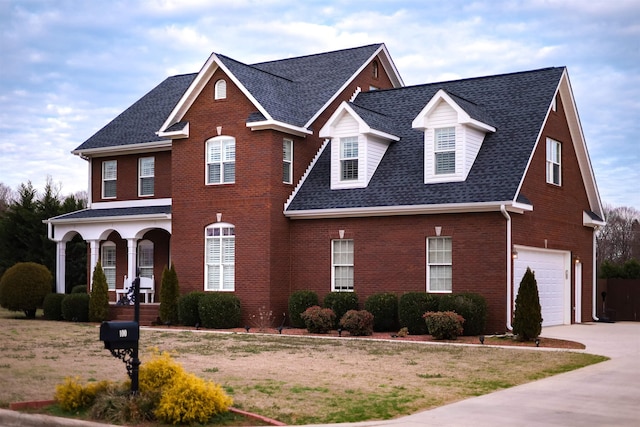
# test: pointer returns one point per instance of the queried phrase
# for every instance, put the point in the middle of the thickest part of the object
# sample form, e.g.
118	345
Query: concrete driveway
605	394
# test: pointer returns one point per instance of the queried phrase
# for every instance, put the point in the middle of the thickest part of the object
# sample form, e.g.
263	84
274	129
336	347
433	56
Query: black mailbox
119	334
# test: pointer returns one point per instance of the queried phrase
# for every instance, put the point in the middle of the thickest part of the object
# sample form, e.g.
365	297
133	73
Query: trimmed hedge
75	307
52	306
318	320
219	310
340	303
79	289
188	308
472	307
357	322
411	308
384	307
299	301
444	325
24	286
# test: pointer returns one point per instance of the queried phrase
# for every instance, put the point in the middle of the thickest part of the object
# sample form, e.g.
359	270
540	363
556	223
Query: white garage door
551	269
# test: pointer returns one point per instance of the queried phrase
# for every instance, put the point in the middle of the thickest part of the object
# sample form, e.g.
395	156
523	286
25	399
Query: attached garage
552	271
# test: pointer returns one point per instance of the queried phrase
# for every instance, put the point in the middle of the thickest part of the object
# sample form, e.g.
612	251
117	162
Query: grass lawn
294	379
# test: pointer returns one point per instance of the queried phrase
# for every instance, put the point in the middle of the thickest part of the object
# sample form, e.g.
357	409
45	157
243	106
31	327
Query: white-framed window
220	89
109	178
287	161
439	265
108	260
349	158
146	176
445	150
220	255
554	163
221	160
342	265
145	258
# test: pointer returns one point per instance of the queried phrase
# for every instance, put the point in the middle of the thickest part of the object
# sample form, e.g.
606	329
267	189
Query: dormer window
220	91
348	158
445	150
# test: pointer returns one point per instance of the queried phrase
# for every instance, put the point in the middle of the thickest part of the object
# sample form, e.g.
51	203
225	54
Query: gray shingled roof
115	212
516	104
140	122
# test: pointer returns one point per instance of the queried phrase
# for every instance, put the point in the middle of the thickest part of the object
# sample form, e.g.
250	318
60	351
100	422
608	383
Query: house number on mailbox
123	333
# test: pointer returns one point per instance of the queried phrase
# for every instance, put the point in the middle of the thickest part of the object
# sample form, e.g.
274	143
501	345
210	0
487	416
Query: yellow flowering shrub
158	372
71	395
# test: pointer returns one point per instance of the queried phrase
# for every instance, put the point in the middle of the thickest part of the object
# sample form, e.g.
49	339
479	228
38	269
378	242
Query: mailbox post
121	338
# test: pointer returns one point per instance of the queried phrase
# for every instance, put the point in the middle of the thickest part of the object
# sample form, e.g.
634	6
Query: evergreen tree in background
169	294
99	301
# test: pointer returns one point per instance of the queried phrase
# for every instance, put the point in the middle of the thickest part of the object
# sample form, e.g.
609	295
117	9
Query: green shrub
631	269
299	301
24	286
318	320
75	307
384	307
52	306
340	302
79	289
357	322
444	325
188	308
99	301
219	310
411	308
527	316
169	295
472	307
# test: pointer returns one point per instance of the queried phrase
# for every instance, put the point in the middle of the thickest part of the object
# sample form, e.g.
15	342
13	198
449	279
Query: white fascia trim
279	126
587	221
198	84
178	134
327	131
463	117
110	219
387	63
142	147
131	203
403	210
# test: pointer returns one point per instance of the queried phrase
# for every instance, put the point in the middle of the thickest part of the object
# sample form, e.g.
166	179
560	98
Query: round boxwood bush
299	301
340	303
444	325
318	320
24	286
75	307
219	310
79	289
412	306
52	306
384	307
188	308
357	322
472	307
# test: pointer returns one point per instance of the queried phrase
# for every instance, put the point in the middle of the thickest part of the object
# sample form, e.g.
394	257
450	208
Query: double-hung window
439	265
287	161
342	265
220	254
109	179
109	263
348	158
553	162
445	150
146	176
221	160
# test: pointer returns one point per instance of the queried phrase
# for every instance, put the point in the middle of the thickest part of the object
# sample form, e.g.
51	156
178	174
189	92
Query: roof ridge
317	54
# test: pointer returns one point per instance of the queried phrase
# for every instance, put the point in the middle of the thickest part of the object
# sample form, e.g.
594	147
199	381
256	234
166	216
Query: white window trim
437	150
106	268
141	176
550	162
220	89
430	264
221	140
220	286
343	158
334	265
106	179
289	162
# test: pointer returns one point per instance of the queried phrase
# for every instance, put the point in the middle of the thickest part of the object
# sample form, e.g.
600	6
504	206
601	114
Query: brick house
324	172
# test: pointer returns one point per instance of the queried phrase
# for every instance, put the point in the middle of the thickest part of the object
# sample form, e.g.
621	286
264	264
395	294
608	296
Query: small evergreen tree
527	317
169	295
99	301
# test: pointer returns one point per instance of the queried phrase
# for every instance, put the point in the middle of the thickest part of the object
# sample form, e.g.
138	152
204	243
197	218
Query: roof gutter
503	209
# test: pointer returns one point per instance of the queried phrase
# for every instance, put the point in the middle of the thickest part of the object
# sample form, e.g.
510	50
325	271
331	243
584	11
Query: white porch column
131	258
95	248
61	258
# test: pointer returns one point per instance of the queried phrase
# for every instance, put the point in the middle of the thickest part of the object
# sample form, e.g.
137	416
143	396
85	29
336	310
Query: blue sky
70	66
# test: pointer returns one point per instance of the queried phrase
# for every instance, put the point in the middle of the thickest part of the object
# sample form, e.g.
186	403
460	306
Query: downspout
503	209
594	279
